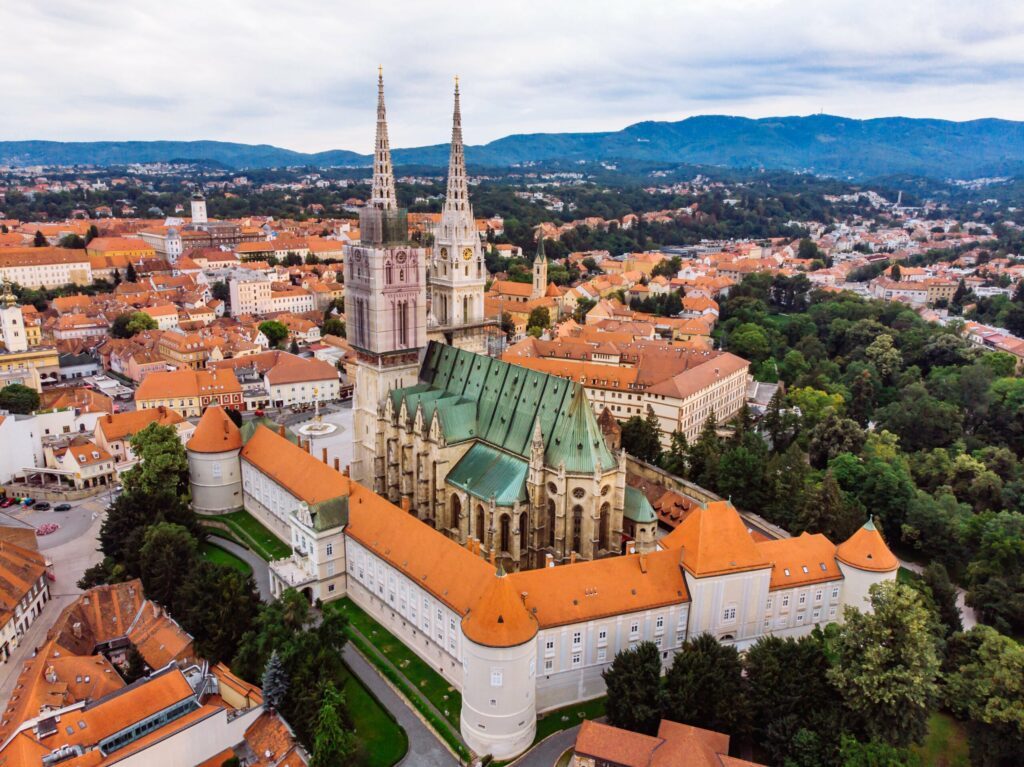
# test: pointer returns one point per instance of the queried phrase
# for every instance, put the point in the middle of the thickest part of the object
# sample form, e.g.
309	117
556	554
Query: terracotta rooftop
866	550
215	433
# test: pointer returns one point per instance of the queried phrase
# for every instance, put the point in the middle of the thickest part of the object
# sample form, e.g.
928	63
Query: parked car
7	502
41	506
62	507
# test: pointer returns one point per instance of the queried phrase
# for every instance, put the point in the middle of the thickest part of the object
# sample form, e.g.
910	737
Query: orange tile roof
499	619
714	540
20	570
115	426
866	550
187	383
800	561
292	467
215	433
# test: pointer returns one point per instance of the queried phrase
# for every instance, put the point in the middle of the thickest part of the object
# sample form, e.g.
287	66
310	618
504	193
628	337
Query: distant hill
821	144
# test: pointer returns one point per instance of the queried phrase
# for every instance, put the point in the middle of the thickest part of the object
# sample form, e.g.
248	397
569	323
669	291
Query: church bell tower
385	305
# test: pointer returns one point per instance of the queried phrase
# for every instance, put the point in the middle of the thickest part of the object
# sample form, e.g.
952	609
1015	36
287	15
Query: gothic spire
383	195
457	196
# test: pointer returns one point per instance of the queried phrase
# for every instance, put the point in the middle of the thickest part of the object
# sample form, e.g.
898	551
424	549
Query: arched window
506	537
481	532
524	538
387	274
577	528
604	531
551	523
456	511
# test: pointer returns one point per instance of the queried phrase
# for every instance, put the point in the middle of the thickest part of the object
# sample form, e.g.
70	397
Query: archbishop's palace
483	518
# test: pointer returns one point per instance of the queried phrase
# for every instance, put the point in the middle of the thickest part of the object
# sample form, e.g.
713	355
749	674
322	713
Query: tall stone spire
383	195
457	197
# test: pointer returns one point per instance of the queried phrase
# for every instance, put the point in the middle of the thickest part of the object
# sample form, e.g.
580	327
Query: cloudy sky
301	73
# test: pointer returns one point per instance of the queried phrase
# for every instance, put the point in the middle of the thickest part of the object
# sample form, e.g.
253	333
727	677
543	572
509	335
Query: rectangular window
549	664
818	595
832	612
634	630
770	599
496	677
835	592
602	655
330	549
799	618
602	636
729	614
659	622
577	659
785	600
577	638
802	599
549	645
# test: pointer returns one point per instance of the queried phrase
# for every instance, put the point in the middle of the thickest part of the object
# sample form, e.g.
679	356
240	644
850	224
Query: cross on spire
383	195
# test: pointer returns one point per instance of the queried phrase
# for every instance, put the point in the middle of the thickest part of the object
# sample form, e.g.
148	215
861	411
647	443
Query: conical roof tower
383	194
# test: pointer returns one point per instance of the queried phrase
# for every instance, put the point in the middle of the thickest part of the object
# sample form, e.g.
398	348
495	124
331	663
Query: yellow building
131	248
26	367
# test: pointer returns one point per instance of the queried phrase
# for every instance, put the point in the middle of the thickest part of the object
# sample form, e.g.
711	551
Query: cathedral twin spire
383	194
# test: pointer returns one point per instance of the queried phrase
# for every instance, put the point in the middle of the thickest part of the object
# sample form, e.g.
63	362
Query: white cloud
301	74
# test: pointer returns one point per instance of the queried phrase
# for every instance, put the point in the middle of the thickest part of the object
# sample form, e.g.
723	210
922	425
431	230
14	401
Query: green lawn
421	676
383	740
424	688
903	575
214	553
945	744
570	716
255	536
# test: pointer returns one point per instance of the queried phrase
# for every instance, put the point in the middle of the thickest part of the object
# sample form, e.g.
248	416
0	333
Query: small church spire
457	194
383	195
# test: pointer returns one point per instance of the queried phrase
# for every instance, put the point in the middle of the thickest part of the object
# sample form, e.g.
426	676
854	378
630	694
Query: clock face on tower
444	252
400	256
467	253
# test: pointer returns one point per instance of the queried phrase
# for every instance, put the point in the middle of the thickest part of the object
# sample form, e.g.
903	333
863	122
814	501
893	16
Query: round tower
864	560
215	471
499	672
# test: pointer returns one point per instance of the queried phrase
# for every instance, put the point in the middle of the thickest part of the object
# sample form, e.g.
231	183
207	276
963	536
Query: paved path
546	753
70	560
425	749
967	615
260	568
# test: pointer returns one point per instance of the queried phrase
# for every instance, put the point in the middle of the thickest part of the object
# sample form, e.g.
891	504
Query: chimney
325	455
110	418
549	560
643	563
572	557
337	465
348	469
405	503
280	429
492	556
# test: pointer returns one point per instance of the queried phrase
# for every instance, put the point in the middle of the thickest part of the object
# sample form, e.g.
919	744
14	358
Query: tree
641	437
705	454
138	322
959	295
884	356
134	666
920	420
854	753
782	702
72	241
896	273
130	274
943	593
18	398
275	331
333	327
539	318
293	347
673	460
275	682
704	686
117	277
633	682
807	250
168	551
220	291
216	604
163	464
833	436
986	687
333	744
780	424
91	234
815	405
827	510
39	241
750	342
886	666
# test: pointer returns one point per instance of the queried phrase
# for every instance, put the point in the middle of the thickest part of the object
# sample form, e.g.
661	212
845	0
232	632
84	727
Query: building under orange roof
293	468
713	540
115	426
866	550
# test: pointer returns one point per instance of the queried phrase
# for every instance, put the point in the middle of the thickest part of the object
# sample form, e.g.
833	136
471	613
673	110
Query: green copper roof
478	397
249	428
637	507
485	472
330	513
577	441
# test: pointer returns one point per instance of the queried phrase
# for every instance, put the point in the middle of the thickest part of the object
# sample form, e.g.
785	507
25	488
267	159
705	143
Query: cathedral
508	462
